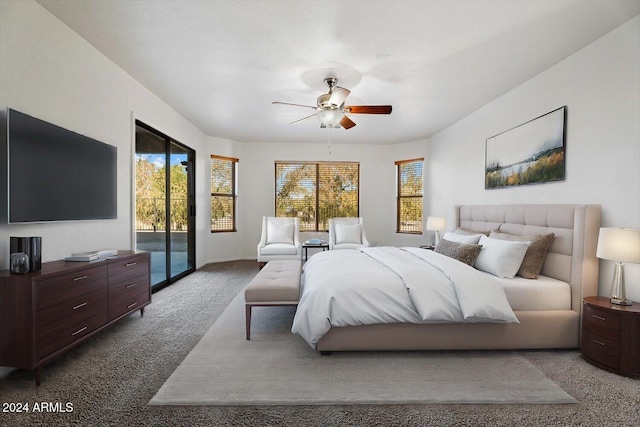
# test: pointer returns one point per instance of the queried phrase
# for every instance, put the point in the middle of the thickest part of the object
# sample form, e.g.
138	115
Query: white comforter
390	285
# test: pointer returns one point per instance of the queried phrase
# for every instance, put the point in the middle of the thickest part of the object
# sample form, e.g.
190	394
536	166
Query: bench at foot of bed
277	284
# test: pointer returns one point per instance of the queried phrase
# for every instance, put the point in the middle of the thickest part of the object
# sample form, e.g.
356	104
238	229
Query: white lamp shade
619	244
436	223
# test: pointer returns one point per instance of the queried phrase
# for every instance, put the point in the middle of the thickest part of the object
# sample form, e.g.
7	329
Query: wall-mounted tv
55	174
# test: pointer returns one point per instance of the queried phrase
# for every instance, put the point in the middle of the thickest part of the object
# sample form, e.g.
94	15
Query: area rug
278	368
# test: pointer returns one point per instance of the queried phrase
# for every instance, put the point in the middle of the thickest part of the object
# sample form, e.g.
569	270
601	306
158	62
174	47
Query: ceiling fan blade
368	109
295	105
347	123
304	118
338	95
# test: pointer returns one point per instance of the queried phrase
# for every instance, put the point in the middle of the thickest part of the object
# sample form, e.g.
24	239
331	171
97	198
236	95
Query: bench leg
248	320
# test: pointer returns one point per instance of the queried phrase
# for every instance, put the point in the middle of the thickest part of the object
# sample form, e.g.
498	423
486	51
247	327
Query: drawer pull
599	317
130	264
79	305
131	285
598	342
79	278
132	305
78	331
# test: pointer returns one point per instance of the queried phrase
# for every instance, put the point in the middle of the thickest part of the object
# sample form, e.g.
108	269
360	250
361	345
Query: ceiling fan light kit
330	117
331	110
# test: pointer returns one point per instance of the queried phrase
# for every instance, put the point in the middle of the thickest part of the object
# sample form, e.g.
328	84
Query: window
409	196
317	191
224	172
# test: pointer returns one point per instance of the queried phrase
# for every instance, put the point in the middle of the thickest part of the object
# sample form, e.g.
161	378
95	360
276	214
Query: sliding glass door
179	209
165	205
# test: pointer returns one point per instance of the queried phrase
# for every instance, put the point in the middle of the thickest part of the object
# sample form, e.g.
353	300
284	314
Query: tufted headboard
572	254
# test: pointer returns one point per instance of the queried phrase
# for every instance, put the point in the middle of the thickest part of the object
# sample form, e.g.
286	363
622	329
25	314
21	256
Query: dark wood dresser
47	313
611	336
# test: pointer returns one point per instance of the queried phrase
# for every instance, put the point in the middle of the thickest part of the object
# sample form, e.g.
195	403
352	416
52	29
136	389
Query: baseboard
198	266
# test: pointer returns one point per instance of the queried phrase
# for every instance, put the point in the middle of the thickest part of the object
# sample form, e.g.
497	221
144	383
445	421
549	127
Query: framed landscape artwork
531	153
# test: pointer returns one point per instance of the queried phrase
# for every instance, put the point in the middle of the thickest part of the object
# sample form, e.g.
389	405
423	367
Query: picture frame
530	153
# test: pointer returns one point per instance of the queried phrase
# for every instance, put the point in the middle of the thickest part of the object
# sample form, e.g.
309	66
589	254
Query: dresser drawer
72	332
123	302
53	291
60	317
600	319
601	349
128	284
132	266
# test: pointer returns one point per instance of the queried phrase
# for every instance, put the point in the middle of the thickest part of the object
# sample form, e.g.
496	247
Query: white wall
600	85
223	246
50	72
256	193
257	188
407	151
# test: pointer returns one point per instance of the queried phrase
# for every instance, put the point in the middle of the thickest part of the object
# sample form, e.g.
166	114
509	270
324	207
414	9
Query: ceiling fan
331	110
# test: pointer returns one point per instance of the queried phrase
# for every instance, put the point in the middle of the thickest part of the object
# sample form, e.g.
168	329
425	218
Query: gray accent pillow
467	232
461	251
536	253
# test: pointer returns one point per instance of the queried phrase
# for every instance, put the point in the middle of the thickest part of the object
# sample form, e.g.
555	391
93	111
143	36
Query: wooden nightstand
611	336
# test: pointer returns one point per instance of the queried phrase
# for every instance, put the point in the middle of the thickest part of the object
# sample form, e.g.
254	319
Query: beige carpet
278	368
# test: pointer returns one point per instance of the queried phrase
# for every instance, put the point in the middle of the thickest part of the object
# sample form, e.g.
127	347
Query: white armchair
279	239
347	233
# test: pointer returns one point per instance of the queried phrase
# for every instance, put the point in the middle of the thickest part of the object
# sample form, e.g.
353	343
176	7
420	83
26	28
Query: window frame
233	195
317	204
400	196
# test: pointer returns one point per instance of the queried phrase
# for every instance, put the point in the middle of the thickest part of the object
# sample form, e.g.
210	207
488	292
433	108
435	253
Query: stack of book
315	242
93	255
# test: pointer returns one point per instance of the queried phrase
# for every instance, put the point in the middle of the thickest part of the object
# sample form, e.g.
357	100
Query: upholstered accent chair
279	240
347	233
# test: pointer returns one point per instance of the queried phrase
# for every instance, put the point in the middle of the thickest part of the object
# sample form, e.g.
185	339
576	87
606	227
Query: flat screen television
55	174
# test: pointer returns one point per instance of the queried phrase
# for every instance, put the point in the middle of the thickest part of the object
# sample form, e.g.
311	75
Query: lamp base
619	301
617	286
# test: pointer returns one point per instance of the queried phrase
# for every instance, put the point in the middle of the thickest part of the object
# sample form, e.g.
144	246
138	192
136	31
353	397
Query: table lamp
619	245
436	223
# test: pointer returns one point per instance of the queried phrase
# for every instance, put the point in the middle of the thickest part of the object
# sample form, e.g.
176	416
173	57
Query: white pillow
500	257
471	239
348	233
278	232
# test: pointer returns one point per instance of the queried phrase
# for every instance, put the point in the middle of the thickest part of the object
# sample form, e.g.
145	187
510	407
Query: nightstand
611	336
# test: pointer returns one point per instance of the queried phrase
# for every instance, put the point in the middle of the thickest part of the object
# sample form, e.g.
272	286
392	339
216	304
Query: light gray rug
279	368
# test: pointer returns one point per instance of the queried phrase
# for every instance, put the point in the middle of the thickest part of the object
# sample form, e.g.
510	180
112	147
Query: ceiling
220	63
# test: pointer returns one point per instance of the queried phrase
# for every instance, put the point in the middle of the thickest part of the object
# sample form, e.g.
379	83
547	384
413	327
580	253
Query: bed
544	319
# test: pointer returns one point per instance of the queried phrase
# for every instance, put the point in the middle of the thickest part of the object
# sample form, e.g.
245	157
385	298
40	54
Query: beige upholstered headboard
572	254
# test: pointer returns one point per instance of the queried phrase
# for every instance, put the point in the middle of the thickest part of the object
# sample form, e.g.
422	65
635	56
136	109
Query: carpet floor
109	380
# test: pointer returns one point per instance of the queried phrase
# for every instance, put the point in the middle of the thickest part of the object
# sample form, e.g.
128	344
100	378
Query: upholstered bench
277	284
